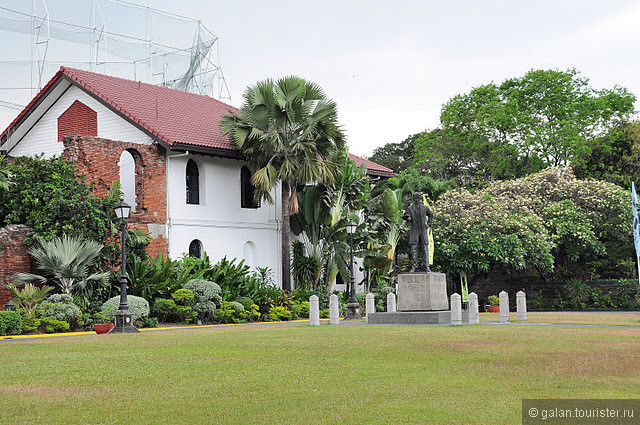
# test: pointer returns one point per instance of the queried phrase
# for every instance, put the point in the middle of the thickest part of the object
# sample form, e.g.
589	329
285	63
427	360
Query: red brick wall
14	257
77	120
98	159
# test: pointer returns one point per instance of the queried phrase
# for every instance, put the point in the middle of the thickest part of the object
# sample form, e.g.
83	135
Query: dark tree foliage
48	196
617	160
397	156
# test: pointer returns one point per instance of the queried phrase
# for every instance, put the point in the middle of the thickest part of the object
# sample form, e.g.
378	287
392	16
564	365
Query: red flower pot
494	309
102	328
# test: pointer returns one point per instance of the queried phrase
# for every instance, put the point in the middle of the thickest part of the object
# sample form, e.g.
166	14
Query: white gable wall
43	136
219	222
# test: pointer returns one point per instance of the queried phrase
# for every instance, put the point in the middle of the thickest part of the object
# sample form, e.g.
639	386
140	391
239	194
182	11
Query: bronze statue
417	213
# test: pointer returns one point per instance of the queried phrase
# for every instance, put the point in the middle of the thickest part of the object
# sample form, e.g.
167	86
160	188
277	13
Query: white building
188	185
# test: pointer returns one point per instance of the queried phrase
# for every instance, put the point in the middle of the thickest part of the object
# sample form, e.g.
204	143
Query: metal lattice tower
113	37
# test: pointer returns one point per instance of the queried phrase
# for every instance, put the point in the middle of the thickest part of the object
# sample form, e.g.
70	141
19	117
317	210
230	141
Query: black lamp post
353	307
8	306
123	316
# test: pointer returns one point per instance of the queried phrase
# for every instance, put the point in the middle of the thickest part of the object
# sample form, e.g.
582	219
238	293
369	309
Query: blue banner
636	229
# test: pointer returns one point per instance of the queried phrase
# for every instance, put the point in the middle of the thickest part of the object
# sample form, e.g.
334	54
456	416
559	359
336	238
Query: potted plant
102	324
494	304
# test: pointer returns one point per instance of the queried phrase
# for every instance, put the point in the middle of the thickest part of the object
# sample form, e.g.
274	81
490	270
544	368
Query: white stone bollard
391	302
474	311
521	305
504	307
334	310
370	304
314	311
456	309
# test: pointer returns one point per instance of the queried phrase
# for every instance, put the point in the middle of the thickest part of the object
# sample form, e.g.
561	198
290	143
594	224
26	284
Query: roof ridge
67	68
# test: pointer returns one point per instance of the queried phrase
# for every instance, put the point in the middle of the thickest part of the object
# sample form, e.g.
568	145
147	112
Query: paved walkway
323	321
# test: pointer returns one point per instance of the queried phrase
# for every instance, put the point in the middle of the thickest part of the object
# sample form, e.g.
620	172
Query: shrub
206	310
183	297
149	322
246	302
10	323
230	312
164	309
324	314
61	307
237	306
50	325
207	297
204	290
138	306
29	323
300	309
279	314
252	313
186	314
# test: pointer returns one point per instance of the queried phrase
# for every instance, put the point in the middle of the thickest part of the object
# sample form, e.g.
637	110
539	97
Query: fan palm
66	261
287	130
29	297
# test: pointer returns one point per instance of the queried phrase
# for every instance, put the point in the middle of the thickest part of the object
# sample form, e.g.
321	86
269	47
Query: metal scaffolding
113	37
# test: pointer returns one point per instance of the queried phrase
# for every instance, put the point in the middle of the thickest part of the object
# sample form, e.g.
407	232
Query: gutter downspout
169	212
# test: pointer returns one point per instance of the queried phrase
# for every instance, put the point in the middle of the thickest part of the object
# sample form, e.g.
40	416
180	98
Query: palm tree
287	130
29	297
66	261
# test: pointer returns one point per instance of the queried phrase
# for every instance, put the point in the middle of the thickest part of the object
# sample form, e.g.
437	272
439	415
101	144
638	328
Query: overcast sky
390	65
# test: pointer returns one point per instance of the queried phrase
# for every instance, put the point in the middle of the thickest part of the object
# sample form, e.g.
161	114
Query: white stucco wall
42	137
219	222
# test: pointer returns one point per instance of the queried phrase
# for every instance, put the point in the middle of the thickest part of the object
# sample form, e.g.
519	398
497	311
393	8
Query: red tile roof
172	116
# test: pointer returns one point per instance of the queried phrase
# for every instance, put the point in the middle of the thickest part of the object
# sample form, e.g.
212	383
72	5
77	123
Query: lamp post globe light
8	306
353	307
123	316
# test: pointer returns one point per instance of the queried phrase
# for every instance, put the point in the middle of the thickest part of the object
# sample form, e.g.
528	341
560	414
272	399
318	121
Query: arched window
195	249
247	190
193	183
249	254
127	166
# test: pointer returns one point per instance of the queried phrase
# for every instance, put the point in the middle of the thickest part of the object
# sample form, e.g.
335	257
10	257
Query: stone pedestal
334	313
474	312
411	318
391	302
422	292
370	304
123	323
456	309
504	307
422	300
521	305
314	311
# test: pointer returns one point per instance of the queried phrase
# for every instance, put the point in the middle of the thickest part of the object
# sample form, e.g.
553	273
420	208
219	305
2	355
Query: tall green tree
287	129
397	156
544	118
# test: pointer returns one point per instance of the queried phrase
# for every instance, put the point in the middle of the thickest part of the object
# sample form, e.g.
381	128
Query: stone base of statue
422	300
411	318
123	323
422	292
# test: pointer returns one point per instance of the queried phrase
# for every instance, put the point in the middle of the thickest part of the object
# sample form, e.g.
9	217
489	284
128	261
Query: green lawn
573	317
299	374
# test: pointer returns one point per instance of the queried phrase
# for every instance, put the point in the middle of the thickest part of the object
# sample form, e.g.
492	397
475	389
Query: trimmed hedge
10	323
